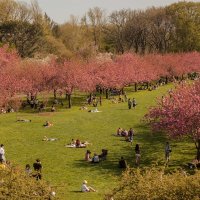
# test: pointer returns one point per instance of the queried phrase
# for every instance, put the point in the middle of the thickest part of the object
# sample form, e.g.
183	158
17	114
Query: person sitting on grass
49	139
77	144
119	131
104	154
85	188
80	144
87	156
73	142
194	164
23	120
53	109
95	158
124	133
28	170
122	163
48	124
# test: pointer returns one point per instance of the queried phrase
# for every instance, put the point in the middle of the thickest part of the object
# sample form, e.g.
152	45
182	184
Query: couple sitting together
77	144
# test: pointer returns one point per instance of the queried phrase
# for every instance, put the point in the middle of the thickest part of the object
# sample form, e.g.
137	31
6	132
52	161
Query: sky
60	10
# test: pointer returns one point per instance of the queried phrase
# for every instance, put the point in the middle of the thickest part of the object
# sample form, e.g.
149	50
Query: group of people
77	144
123	163
132	103
96	158
127	134
37	173
9	110
92	99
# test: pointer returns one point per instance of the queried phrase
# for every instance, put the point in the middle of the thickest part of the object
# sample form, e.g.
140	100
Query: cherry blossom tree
178	113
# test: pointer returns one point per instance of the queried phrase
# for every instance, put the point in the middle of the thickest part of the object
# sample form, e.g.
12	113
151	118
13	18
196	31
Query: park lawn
65	168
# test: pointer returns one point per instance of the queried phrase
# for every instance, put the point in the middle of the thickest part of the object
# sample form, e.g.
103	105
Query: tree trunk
54	94
147	85
69	100
122	91
197	144
106	93
135	87
166	81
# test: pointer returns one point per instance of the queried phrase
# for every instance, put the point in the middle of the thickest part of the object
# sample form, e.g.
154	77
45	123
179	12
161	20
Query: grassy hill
65	168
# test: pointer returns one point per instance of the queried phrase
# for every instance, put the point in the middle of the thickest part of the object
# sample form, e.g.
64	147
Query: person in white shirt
2	153
85	188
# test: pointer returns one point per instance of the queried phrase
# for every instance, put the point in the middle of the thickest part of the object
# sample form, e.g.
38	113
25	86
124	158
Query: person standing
134	103
129	104
137	154
2	153
130	135
167	152
38	169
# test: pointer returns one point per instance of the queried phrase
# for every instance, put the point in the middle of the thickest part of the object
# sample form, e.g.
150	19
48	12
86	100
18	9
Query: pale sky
60	10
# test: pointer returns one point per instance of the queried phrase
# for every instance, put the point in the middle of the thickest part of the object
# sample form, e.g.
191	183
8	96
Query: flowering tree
10	81
178	114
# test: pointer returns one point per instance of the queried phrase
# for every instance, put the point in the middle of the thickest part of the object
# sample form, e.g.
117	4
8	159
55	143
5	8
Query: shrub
154	184
15	185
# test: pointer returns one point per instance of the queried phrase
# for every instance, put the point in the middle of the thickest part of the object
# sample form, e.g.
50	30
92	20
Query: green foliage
155	184
15	184
185	18
24	36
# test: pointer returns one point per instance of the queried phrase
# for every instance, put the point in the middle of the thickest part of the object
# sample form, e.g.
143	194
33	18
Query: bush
154	184
15	185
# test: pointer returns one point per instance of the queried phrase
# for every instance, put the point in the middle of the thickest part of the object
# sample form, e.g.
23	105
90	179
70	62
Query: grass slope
65	167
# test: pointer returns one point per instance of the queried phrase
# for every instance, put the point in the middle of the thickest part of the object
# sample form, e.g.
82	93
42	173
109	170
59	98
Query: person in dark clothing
130	135
38	169
137	154
134	103
129	104
122	163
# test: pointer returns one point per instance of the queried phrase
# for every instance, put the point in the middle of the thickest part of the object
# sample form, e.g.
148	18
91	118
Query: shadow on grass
103	166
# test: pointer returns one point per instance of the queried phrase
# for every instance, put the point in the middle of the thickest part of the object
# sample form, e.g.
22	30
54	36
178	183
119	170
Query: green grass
65	167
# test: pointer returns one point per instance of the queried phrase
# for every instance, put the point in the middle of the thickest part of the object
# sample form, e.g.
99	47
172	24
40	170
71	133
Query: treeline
174	28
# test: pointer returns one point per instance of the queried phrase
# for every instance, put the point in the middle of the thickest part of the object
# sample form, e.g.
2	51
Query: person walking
130	135
129	104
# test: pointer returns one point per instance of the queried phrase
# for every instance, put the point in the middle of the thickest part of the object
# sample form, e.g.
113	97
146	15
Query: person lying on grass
83	108
94	111
23	120
49	139
48	124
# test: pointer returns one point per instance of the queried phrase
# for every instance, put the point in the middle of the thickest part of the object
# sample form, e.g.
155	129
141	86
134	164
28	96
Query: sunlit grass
65	168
